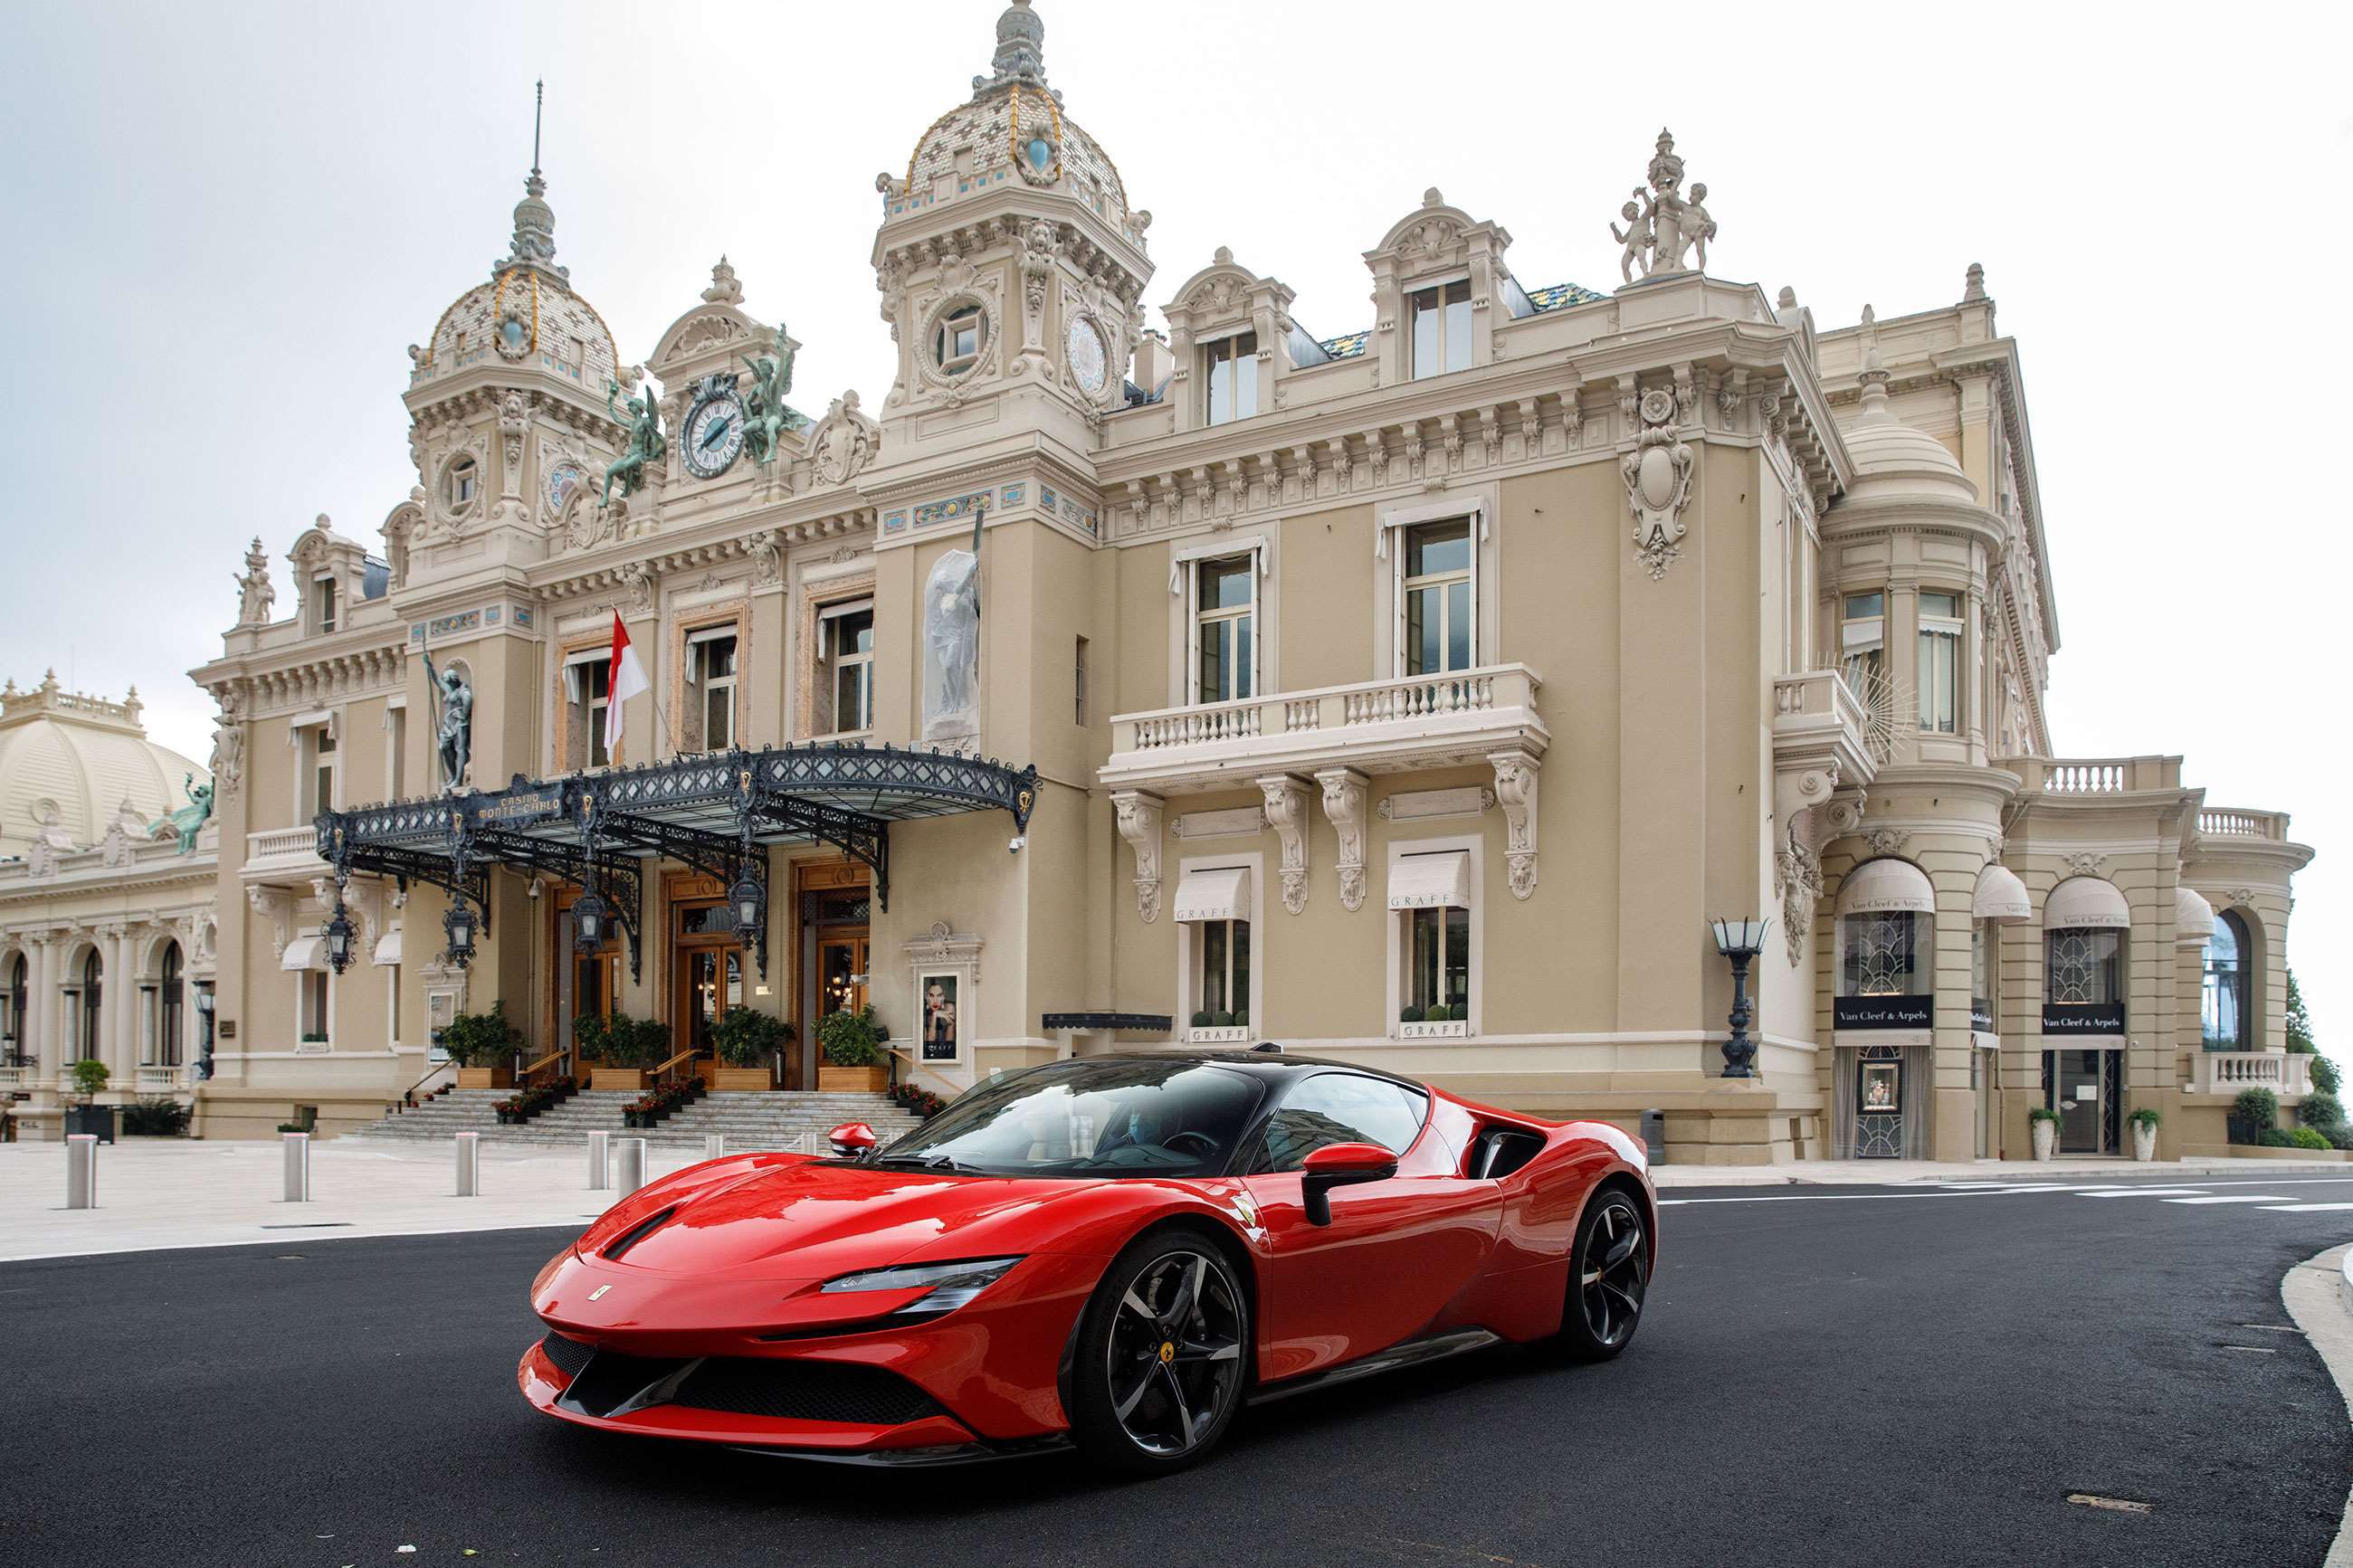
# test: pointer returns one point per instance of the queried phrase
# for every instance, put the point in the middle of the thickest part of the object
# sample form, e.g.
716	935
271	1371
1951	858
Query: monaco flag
629	680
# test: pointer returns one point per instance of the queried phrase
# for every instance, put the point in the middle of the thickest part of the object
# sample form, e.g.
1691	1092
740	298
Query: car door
1396	1251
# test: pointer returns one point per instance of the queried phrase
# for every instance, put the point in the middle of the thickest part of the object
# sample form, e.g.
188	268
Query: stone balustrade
2228	821
2226	1072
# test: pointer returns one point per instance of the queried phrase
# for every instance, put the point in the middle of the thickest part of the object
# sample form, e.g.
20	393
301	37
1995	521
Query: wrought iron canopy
595	830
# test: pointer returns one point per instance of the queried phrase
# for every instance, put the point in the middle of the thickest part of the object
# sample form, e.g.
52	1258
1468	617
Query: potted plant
851	1043
748	1043
588	1042
2252	1114
88	1080
630	1048
2144	1126
2044	1121
483	1046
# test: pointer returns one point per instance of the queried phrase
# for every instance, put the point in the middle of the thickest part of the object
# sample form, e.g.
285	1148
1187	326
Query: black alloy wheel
1163	1355
1610	1273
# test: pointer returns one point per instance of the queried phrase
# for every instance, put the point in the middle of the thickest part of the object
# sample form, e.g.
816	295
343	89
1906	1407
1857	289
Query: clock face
714	434
1090	365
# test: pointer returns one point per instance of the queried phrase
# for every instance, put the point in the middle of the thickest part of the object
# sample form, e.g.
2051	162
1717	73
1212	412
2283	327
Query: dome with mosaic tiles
526	314
1012	129
71	765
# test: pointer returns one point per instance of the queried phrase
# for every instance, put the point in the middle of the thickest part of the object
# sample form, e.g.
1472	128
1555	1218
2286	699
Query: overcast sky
226	223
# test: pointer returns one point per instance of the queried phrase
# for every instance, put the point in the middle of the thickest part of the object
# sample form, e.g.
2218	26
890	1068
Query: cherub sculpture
1636	239
766	416
189	820
646	445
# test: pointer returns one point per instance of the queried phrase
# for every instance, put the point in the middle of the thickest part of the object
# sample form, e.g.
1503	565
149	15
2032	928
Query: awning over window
2001	897
1442	878
304	953
2085	902
388	948
2193	917
1221	893
1879	886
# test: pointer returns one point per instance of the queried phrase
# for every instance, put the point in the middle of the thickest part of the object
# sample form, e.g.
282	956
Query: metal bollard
600	1162
469	1164
715	1146
633	1166
297	1166
81	1171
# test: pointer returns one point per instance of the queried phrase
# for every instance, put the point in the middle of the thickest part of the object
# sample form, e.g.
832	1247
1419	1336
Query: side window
1340	1107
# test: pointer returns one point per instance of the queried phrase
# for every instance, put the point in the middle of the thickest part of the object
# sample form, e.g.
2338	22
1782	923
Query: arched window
1886	944
15	1034
2222	1006
92	973
168	1005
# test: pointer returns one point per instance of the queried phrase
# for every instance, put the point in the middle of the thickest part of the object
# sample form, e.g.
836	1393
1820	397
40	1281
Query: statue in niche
952	648
766	416
255	594
645	447
190	819
454	725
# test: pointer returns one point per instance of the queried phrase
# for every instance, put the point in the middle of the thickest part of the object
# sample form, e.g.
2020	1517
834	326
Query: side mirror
852	1140
1340	1165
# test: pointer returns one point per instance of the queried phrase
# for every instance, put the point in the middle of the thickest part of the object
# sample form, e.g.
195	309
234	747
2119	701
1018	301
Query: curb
2318	1296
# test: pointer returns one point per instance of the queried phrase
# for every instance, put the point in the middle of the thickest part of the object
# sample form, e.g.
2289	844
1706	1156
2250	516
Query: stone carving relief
1515	791
278	908
2238	898
1138	816
1343	808
1286	813
767	552
844	441
2087	864
1657	469
1886	840
641	581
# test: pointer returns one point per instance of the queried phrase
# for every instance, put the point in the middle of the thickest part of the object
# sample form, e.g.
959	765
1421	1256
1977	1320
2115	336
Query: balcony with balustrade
283	857
2225	1073
1409	723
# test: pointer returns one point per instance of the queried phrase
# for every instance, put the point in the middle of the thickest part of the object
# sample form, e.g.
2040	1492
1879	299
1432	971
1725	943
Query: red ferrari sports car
1113	1253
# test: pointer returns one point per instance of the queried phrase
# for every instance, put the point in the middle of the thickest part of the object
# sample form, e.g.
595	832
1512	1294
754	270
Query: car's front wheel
1609	1275
1163	1355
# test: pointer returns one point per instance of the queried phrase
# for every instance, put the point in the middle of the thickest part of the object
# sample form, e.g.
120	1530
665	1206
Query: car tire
1161	1355
1608	1276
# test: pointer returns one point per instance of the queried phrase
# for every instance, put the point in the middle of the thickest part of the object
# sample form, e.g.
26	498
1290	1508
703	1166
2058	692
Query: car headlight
949	1285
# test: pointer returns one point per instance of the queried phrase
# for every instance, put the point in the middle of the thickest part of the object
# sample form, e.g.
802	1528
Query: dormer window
325	589
955	343
1229	377
464	480
1442	328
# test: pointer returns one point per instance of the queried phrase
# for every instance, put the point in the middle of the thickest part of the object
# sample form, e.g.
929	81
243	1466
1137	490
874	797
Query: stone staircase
777	1120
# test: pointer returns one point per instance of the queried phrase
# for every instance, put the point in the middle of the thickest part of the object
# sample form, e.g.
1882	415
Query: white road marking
2144	1193
1943	1190
2231	1198
2305	1208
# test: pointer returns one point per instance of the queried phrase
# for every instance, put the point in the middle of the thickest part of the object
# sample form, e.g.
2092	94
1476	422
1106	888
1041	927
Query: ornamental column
122	1007
33	1036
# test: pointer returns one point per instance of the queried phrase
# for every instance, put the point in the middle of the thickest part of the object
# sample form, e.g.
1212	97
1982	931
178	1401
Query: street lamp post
1740	941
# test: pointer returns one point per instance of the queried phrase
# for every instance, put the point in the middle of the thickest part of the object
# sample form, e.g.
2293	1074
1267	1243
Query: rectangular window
1940	663
1229	368
1862	633
1439	964
2083	967
1224	980
1225	616
323	770
1439	612
710	707
846	674
327	607
1079	683
396	744
587	692
314	1006
1442	328
1982	943
392	1007
1880	954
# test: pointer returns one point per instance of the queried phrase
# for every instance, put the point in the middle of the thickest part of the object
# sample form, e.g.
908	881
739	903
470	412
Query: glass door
2080	1089
840	973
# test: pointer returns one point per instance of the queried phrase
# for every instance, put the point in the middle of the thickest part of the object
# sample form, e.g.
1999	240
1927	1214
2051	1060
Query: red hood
814	1219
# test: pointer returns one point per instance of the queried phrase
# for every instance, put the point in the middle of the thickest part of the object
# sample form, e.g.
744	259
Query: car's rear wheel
1610	1276
1163	1355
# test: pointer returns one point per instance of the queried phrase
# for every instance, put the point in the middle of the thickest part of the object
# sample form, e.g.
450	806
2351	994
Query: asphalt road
1828	1376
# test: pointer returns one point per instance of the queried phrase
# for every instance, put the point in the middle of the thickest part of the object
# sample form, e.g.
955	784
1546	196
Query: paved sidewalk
165	1193
1882	1172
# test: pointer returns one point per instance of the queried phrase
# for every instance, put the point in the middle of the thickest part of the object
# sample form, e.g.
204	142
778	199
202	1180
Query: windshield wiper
941	1160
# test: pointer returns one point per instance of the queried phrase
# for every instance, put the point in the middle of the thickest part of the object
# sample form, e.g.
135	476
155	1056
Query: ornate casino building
1146	664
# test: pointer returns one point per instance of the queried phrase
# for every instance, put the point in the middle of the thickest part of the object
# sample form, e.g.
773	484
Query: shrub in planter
2254	1113
160	1117
1223	1020
1460	1013
480	1039
2308	1138
588	1037
2339	1136
1435	1014
1242	1020
1408	1015
1201	1019
2043	1113
88	1078
851	1039
745	1039
2321	1109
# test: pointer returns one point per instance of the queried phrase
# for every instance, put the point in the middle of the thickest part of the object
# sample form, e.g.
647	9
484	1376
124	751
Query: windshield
1136	1117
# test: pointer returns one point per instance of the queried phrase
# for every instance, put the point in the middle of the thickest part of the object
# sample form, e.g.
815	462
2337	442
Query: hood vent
638	1232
